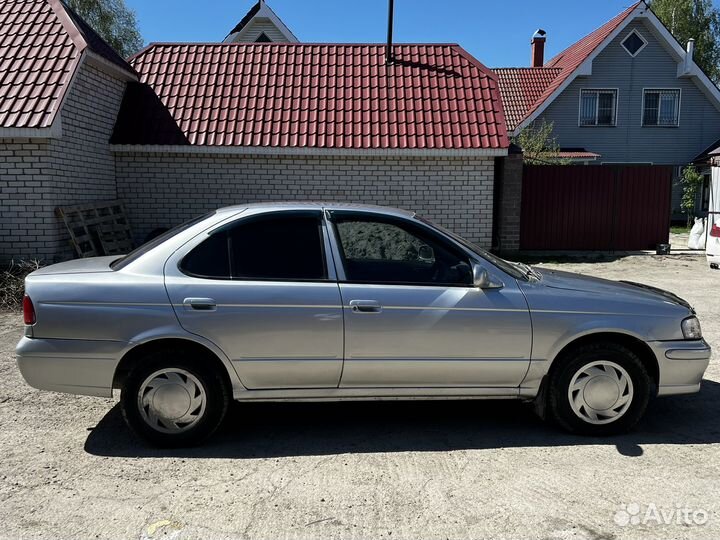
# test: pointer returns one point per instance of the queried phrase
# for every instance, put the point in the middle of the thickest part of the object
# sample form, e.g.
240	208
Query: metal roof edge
307	151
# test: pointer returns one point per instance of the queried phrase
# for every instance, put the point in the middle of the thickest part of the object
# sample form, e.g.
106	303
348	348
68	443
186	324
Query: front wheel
599	389
172	400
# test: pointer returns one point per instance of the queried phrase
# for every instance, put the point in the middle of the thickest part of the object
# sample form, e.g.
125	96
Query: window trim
393	220
324	247
616	92
638	34
656	89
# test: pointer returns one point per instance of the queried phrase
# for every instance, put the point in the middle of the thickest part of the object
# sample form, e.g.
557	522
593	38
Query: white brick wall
36	176
163	189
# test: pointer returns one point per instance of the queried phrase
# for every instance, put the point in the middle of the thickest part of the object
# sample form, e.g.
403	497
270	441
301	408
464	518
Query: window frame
339	253
598	91
638	34
267	215
659	91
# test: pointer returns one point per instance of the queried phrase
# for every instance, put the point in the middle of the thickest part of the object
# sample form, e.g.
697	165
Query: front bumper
72	366
682	365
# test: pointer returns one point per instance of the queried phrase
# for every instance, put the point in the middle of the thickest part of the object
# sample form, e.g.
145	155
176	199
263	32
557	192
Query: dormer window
263	38
634	43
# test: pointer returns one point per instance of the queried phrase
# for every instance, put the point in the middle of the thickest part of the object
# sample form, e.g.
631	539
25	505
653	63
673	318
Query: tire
599	373
161	386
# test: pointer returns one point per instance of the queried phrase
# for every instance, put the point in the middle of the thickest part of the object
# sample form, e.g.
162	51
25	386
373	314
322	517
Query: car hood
557	279
78	266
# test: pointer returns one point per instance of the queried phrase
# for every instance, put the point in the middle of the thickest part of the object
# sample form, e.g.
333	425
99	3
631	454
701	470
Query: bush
12	282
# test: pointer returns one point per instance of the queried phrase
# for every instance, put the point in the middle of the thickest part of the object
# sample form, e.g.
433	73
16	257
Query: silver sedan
347	302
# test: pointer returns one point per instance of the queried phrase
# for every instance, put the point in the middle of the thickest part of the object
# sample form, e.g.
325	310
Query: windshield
138	252
515	270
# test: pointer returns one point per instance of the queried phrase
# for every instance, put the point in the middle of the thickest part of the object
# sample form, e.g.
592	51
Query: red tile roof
520	89
41	42
339	96
564	64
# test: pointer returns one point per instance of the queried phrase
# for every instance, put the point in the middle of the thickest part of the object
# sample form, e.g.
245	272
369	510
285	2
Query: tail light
715	231
28	310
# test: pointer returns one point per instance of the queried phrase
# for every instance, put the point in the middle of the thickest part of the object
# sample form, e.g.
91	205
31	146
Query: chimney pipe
388	48
537	48
690	51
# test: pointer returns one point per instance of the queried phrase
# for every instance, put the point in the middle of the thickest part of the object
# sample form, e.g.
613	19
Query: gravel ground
69	468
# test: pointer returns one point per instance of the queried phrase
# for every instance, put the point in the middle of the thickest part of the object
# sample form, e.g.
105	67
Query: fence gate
589	207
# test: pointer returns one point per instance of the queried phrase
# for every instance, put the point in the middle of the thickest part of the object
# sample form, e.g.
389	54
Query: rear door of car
264	290
413	317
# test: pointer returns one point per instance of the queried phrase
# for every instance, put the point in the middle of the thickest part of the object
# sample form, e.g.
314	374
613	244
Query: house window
634	43
598	107
263	38
661	108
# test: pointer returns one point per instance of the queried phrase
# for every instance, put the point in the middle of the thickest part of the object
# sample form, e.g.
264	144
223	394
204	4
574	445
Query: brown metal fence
607	208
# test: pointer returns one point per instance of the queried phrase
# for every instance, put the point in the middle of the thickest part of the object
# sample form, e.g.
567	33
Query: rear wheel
599	389
171	399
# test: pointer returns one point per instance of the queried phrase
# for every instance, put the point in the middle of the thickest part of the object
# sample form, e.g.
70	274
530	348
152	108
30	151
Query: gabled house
260	25
627	93
61	87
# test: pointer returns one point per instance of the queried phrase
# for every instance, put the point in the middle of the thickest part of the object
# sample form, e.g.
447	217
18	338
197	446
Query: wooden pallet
98	228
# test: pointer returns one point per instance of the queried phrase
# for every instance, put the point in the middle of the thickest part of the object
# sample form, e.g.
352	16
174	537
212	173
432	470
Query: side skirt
365	394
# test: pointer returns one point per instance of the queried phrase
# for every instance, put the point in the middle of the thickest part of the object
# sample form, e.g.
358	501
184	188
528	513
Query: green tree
696	19
538	144
114	21
691	181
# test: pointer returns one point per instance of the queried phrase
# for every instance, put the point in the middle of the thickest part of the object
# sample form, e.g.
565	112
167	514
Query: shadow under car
263	430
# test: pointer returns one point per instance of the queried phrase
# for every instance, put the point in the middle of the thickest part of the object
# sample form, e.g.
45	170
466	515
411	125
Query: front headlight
691	328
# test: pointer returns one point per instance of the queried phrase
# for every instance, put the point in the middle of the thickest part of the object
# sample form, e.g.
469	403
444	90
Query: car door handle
365	306
200	304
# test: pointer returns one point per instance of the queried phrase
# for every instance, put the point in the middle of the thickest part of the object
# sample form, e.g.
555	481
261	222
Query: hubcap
171	400
600	392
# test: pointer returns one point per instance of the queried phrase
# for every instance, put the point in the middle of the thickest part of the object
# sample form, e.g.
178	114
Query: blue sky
496	32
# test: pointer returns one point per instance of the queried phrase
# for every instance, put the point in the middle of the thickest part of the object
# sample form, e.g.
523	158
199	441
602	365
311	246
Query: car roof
318	205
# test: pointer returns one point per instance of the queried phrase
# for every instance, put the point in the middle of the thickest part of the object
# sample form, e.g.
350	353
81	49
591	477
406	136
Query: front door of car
262	290
412	315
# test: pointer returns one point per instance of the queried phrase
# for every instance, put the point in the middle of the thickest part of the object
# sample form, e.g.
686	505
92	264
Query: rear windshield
134	255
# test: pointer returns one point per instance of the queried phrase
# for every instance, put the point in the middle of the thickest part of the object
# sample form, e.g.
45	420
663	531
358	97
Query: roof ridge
58	8
617	19
297	44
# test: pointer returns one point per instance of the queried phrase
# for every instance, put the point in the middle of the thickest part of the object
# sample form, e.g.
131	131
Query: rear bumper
71	366
682	365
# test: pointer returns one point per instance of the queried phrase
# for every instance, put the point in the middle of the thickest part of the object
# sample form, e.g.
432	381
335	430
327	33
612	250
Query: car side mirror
482	279
426	254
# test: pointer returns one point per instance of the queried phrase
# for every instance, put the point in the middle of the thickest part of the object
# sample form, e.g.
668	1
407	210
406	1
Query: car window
387	251
265	247
210	259
134	255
